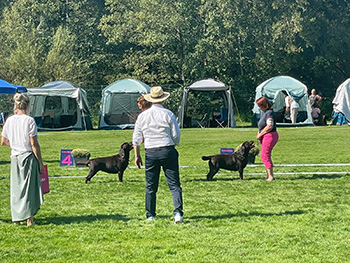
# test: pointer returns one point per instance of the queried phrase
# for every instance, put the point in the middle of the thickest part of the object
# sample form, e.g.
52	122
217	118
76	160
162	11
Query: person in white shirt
292	108
161	133
20	133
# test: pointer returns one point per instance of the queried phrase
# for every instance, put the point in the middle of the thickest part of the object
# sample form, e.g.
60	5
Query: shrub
252	152
80	153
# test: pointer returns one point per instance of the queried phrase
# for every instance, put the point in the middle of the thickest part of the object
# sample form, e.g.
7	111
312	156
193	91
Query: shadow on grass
317	176
4	162
65	220
262	177
297	212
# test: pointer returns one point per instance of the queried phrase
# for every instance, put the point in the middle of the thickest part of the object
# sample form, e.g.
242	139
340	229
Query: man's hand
138	161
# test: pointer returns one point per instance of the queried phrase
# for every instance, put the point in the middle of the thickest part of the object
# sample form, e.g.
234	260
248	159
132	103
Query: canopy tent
60	105
341	103
208	85
119	108
275	90
7	88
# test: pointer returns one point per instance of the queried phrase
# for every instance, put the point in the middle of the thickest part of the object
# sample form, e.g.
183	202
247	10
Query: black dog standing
233	162
112	164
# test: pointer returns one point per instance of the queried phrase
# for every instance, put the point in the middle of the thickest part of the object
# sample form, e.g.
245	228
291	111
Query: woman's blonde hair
21	102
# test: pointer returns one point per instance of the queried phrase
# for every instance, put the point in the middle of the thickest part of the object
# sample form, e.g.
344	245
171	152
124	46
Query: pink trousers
268	141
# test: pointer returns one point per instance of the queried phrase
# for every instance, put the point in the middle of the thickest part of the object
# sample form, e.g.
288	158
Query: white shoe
150	218
178	218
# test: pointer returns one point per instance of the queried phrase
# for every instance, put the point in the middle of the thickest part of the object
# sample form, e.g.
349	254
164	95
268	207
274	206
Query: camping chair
3	117
223	118
204	121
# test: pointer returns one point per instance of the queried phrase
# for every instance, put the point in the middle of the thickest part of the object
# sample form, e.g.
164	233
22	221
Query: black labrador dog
233	162
112	164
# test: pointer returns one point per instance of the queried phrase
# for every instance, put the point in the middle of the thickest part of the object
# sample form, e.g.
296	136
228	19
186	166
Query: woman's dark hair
263	103
144	103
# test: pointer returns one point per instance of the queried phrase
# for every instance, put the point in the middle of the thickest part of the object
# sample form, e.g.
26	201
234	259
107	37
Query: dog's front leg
241	174
120	175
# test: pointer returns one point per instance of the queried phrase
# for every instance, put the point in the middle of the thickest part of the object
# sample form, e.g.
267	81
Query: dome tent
208	85
59	105
341	104
119	108
275	90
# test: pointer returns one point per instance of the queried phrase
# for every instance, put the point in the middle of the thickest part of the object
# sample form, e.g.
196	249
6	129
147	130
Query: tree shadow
250	214
65	220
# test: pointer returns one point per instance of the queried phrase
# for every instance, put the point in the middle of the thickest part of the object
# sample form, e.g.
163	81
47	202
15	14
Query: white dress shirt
158	127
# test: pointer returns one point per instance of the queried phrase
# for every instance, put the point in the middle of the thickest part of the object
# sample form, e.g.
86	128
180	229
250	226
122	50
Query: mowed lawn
303	216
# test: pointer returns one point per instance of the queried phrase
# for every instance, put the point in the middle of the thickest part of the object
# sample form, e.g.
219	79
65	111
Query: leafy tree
157	37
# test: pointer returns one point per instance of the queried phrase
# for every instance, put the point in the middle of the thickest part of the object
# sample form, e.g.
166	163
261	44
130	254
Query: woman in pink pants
267	134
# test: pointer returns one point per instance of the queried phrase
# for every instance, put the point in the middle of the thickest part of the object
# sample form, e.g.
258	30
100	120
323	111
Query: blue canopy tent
7	88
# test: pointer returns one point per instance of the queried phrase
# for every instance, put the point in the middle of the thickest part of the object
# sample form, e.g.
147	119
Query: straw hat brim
149	98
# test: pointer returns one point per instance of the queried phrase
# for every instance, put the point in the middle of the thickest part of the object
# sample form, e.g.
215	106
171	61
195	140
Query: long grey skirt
26	192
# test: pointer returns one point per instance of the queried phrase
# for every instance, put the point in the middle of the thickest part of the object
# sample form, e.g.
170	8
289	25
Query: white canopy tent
341	101
208	85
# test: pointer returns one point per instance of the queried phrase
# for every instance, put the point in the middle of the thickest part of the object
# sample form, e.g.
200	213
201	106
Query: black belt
159	148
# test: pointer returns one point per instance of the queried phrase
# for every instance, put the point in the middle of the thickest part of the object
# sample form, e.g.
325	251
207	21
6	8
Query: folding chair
204	121
3	117
223	118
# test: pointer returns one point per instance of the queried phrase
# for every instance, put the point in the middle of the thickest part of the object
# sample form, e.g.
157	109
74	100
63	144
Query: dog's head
126	147
246	146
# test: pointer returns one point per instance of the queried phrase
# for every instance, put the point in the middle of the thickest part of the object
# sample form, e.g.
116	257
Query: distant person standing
143	104
160	130
294	109
20	133
314	99
267	135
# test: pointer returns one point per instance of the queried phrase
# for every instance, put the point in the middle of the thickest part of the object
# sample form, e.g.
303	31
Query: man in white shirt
160	131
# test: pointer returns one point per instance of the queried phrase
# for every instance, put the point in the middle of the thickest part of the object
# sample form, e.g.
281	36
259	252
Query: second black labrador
112	164
233	162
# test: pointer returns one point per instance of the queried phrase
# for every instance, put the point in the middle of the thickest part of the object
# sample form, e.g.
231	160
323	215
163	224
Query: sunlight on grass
297	218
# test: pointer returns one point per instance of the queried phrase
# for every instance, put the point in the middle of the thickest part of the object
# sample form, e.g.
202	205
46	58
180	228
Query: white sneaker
178	218
150	218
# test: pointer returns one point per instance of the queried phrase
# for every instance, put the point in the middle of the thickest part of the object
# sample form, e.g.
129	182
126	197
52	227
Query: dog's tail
83	162
205	158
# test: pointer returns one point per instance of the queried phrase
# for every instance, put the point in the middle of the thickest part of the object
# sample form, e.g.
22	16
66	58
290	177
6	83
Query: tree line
173	43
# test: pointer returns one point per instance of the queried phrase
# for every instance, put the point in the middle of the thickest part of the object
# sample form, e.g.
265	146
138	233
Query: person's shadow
65	220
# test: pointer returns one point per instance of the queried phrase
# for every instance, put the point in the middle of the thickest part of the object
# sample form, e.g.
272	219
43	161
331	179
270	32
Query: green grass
297	218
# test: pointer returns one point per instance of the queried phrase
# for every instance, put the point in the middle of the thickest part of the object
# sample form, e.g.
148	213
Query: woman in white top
20	133
292	108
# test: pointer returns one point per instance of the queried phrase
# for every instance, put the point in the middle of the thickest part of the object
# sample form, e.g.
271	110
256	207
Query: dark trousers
168	159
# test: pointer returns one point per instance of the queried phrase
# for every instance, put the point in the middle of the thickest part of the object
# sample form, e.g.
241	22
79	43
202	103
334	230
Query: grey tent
341	104
208	85
275	90
119	108
60	105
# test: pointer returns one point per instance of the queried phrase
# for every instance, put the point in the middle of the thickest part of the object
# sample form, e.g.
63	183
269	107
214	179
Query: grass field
303	216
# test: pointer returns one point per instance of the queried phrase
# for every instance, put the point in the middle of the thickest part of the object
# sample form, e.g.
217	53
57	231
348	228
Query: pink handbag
44	179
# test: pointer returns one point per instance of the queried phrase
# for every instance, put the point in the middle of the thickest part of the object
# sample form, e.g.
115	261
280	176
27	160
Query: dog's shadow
66	220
